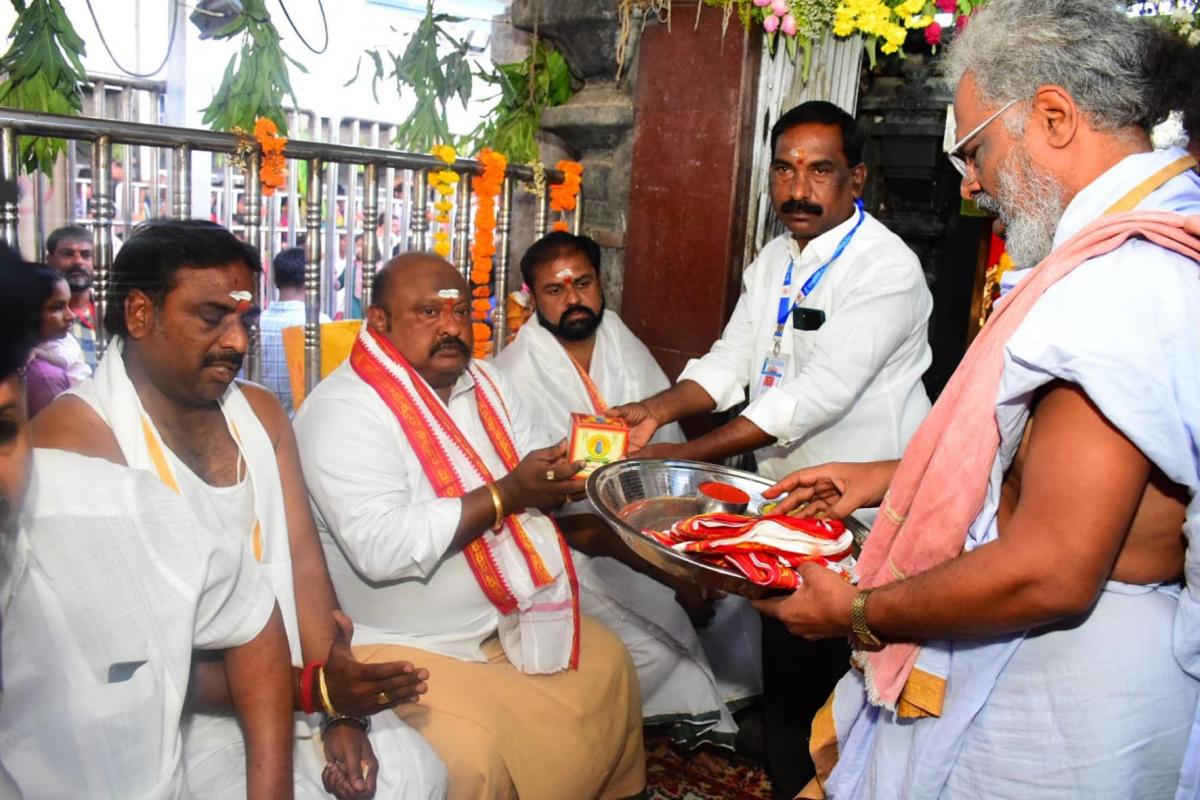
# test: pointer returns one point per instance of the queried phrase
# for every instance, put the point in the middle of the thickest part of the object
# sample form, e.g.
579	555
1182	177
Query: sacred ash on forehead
448	294
241	296
565	275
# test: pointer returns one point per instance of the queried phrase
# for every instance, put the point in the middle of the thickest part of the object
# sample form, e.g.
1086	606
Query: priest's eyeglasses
956	156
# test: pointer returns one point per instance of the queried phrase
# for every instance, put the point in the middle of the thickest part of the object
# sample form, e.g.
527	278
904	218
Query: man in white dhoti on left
107	582
164	400
578	356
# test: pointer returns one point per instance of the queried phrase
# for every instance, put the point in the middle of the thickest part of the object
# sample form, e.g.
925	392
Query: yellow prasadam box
598	440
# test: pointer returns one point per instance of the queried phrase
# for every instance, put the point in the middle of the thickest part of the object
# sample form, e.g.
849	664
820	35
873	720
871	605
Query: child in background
57	361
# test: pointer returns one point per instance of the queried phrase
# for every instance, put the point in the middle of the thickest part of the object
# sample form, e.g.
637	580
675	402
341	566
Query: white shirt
384	529
112	583
852	389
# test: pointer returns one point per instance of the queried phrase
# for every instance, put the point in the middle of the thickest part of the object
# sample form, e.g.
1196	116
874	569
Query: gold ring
550	475
382	698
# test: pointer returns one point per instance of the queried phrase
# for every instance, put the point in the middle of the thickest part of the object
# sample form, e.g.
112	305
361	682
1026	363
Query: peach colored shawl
940	485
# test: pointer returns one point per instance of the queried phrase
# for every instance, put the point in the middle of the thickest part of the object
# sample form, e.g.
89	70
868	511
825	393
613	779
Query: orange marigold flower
264	126
561	226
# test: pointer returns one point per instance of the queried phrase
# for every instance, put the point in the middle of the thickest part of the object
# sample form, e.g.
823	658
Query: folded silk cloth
766	550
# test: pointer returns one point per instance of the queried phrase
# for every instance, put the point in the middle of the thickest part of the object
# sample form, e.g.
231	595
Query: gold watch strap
858	618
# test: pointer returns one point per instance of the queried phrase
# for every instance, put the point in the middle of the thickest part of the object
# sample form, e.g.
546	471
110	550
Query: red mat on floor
671	776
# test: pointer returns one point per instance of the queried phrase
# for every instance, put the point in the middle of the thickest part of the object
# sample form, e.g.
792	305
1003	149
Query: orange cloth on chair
336	340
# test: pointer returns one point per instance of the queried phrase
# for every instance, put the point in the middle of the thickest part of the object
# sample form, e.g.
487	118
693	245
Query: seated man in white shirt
426	491
287	311
164	400
108	583
578	356
830	337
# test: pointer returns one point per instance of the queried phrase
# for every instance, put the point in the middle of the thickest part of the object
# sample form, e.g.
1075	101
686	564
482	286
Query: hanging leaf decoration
434	67
527	88
44	73
256	79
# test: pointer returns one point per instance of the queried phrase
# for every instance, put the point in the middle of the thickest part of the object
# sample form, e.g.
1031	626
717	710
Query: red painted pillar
693	130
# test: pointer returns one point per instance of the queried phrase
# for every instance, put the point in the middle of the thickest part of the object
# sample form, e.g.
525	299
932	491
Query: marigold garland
273	173
562	195
443	181
486	187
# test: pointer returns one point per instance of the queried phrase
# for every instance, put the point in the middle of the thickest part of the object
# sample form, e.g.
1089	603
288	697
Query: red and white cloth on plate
767	550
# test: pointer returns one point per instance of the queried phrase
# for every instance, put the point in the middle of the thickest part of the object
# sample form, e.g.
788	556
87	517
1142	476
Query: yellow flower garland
443	181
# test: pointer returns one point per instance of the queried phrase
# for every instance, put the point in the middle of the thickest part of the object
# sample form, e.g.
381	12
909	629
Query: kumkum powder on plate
724	493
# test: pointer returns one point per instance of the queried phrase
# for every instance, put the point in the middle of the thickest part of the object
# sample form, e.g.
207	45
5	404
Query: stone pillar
688	198
595	126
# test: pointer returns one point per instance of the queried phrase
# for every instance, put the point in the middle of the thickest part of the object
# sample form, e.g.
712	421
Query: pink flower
771	23
761	3
780	7
933	34
945	6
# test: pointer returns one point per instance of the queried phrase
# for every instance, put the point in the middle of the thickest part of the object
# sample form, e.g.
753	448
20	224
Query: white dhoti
1094	708
215	760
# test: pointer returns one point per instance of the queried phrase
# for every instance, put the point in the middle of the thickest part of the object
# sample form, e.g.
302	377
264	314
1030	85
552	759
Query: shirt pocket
804	343
124	722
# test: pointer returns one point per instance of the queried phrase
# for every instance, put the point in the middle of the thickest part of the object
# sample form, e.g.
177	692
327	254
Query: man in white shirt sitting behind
830	337
108	582
578	356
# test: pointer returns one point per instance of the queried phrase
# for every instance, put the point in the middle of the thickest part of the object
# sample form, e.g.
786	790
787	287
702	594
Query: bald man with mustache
429	501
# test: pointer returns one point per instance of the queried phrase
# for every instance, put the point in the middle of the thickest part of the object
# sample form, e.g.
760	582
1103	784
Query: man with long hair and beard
1027	620
580	357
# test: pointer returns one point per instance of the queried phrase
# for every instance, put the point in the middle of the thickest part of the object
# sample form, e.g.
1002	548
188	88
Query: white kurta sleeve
362	487
727	369
884	305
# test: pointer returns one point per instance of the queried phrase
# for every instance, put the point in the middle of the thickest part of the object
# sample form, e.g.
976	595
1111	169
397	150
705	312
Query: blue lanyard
786	304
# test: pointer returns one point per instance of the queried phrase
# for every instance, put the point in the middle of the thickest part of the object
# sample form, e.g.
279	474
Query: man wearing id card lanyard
829	337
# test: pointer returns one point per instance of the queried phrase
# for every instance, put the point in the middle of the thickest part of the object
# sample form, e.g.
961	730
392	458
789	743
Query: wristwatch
858	620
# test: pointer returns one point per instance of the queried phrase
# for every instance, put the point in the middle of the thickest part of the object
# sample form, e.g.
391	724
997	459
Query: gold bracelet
325	701
499	504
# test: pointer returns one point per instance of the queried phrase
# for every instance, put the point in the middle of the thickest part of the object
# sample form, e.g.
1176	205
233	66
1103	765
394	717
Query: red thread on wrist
308	700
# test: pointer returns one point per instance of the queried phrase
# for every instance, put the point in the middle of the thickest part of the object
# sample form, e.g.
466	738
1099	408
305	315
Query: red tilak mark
243	306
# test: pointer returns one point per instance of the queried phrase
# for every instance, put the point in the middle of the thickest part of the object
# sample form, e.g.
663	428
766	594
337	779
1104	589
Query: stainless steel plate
636	494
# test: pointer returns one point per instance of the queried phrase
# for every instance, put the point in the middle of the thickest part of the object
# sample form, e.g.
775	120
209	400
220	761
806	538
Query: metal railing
316	156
